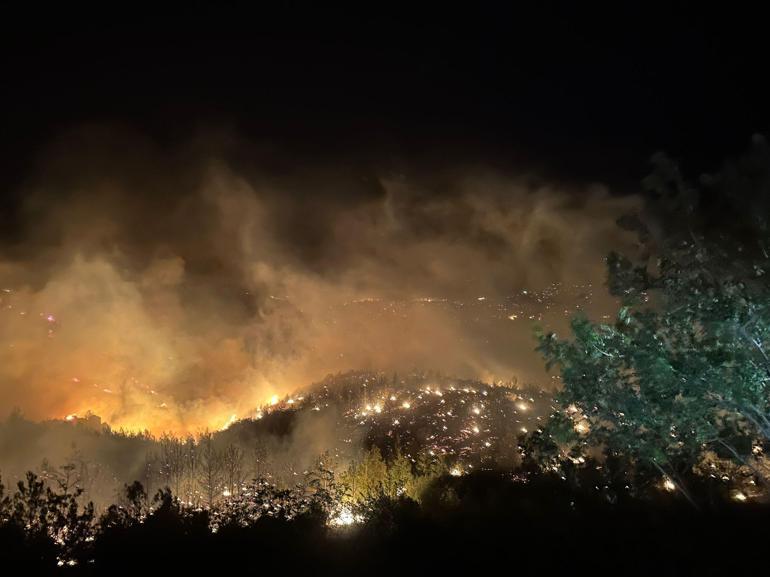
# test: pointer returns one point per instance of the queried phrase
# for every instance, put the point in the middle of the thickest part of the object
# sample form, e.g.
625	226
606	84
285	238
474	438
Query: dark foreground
483	525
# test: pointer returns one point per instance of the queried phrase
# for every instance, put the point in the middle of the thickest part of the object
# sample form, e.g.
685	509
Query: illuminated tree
190	460
321	487
399	478
151	472
684	367
232	465
172	462
366	478
210	469
426	470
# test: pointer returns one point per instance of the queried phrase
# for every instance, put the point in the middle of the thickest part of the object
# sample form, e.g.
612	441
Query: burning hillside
468	423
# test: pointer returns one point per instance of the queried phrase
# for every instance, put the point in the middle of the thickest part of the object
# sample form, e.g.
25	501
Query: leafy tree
684	367
366	478
399	478
426	470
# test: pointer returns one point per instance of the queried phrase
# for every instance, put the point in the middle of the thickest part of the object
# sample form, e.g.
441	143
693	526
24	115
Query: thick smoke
171	290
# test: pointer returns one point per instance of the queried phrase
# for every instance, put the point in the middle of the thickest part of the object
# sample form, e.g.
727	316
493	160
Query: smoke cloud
172	289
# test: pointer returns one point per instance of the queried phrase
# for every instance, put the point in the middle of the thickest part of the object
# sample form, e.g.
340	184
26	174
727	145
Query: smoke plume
172	289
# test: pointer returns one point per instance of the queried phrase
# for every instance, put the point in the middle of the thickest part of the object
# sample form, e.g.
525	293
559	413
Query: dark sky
582	93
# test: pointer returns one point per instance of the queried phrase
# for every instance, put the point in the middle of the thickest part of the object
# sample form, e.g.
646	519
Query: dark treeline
538	522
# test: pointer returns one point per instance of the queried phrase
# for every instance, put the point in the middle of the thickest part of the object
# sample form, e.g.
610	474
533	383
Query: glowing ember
582	427
345	517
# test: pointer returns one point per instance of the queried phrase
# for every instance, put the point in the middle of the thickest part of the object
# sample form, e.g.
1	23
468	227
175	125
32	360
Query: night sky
585	93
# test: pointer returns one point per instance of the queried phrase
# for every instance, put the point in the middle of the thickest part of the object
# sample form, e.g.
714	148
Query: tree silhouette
210	473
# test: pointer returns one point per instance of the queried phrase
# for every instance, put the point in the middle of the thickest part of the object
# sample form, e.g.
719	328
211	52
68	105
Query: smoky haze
171	290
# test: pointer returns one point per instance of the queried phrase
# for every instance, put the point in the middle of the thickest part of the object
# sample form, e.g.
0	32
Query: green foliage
366	479
398	478
426	470
684	367
371	478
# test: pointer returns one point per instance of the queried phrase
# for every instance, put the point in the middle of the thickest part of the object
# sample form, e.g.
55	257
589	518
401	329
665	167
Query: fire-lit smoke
173	290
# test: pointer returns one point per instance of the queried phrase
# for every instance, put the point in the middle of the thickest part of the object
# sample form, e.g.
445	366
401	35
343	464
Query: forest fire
400	293
150	408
